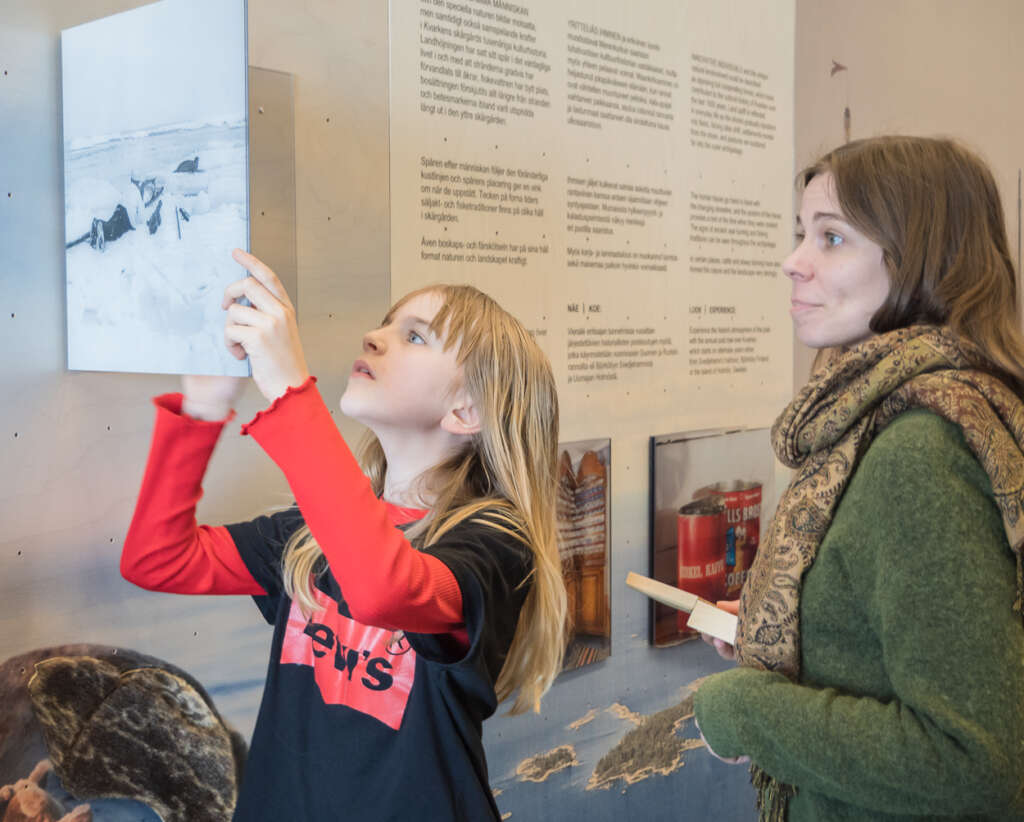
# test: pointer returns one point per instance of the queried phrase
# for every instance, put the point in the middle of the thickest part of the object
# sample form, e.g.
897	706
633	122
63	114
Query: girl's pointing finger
261	272
254	291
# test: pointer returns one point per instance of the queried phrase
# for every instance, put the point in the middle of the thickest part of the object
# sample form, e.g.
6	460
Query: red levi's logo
352	663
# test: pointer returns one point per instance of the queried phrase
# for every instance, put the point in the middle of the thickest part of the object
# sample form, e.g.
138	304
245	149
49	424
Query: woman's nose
797	266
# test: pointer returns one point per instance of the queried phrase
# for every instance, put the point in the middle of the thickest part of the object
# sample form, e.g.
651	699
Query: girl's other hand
725	650
209	397
265	330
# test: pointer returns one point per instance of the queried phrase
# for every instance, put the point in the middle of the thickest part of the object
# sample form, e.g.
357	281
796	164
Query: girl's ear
462	418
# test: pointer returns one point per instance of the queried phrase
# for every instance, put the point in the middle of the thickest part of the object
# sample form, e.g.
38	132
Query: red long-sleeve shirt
386	582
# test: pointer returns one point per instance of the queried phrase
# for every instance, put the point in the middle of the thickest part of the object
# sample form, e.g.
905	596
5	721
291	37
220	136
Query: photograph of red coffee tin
700	533
735	468
742	534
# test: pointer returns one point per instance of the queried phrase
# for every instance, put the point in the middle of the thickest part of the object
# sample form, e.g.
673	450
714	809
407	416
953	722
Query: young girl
406	603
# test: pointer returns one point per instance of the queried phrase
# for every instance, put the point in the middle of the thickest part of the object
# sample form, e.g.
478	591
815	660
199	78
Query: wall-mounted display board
710	492
619	177
620	181
156	185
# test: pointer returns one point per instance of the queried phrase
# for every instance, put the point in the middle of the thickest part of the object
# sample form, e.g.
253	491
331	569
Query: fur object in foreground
125	725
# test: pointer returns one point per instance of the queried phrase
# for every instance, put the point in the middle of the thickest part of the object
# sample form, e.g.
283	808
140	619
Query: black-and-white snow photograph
155	185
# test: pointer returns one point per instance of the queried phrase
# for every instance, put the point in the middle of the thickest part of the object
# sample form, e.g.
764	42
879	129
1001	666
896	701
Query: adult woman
881	645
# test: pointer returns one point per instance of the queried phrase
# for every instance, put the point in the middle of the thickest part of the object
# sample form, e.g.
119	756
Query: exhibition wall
621	182
74	443
915	67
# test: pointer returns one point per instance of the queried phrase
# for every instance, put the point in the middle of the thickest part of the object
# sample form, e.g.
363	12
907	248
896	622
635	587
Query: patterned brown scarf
823	433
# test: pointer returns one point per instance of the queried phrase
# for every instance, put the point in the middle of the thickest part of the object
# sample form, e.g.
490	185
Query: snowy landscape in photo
156	185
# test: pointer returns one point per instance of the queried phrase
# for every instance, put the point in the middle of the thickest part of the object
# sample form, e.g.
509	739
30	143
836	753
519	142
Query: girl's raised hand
265	330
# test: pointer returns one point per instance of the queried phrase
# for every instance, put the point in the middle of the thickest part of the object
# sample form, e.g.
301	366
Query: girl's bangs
464	314
460	319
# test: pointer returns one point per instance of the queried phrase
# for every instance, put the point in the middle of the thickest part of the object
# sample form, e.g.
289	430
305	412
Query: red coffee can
742	535
751	499
700	534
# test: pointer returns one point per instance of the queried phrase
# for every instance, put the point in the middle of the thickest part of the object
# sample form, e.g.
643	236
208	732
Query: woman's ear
462	418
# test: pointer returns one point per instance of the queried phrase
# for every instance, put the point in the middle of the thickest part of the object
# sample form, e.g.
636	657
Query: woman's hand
265	330
728	760
209	397
725	650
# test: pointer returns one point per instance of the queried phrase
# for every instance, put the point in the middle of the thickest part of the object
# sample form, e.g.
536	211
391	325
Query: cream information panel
619	178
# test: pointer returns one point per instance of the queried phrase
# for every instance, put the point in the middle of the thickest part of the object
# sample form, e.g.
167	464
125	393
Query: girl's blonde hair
934	208
505	478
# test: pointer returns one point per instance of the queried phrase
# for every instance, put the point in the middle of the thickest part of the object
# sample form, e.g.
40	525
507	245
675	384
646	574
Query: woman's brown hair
934	208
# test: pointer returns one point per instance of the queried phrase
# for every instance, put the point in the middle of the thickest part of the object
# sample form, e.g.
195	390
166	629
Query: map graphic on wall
155	184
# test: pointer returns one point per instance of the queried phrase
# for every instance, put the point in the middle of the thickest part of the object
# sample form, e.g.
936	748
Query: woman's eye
832	239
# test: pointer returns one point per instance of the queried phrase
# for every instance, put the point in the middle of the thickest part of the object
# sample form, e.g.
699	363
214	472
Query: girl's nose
373	341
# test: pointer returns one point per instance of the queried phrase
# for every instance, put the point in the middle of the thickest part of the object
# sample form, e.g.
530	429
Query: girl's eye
832	239
414	337
798	238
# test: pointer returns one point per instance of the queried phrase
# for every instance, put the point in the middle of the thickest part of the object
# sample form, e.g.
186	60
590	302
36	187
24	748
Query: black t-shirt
355	727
